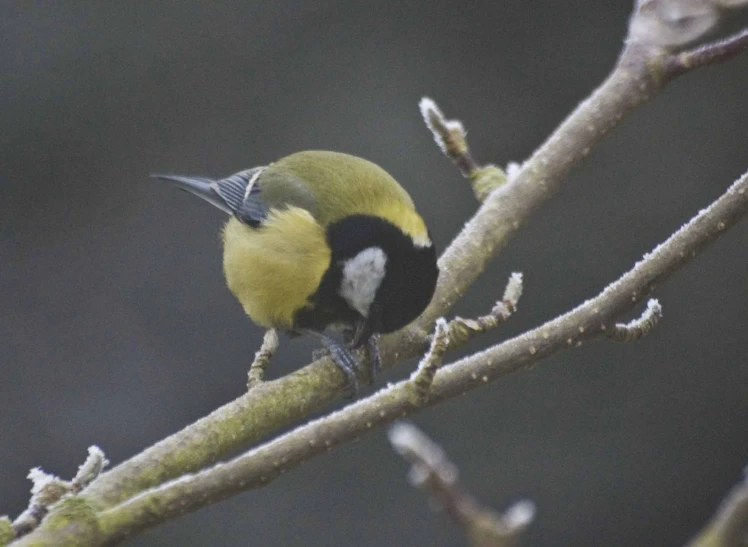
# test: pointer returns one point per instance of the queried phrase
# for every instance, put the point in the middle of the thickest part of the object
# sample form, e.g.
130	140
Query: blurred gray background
116	327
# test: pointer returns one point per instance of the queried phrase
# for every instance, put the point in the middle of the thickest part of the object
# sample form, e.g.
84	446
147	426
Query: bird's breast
273	270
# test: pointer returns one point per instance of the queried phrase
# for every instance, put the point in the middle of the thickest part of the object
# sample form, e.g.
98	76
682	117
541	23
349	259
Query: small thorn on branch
451	137
423	376
462	330
256	373
436	475
639	327
48	489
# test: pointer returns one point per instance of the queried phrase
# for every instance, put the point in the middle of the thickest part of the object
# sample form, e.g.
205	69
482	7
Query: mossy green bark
485	180
6	531
72	522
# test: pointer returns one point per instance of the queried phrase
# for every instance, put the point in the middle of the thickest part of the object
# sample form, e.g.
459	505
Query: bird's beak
202	188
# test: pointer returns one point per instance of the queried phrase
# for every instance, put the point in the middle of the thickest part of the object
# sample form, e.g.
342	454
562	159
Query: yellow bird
321	240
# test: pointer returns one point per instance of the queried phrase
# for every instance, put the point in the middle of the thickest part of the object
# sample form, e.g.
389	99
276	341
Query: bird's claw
345	361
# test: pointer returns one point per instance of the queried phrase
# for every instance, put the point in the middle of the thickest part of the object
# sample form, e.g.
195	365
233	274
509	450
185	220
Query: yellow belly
274	270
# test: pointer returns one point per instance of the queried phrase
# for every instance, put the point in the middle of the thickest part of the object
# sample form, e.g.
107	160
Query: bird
323	241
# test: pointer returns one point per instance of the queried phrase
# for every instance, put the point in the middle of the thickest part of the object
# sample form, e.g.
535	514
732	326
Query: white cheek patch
362	276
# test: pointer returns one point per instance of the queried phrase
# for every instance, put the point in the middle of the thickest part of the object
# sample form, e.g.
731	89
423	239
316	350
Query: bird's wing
331	185
243	196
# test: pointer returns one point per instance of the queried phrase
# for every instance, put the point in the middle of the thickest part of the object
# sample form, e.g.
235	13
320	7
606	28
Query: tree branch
432	472
592	319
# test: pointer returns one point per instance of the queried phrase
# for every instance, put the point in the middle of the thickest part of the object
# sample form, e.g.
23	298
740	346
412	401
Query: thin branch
451	137
729	526
459	331
256	374
462	330
432	472
708	54
589	320
639	327
423	376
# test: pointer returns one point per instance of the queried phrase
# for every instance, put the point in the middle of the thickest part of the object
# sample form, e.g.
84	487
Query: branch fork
47	490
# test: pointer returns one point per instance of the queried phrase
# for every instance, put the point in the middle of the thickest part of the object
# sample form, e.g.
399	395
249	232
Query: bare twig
90	470
263	357
462	330
451	137
708	54
433	472
641	326
459	331
591	319
729	526
48	489
423	376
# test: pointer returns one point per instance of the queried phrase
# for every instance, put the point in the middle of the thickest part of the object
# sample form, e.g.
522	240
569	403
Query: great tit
321	240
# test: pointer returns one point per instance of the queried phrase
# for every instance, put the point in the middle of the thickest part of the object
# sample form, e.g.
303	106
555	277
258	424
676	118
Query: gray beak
202	188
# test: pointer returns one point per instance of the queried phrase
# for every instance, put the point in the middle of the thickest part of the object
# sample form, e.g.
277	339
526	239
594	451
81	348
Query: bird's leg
345	361
342	357
363	335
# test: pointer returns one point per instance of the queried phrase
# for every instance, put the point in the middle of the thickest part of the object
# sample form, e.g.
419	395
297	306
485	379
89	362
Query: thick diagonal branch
589	320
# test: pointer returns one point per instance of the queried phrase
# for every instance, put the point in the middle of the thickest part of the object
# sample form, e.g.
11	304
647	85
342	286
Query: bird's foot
345	361
340	355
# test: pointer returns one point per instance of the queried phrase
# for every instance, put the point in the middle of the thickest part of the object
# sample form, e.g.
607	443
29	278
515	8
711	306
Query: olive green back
330	185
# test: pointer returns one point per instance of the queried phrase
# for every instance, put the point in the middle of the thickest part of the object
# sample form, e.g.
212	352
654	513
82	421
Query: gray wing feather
243	196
